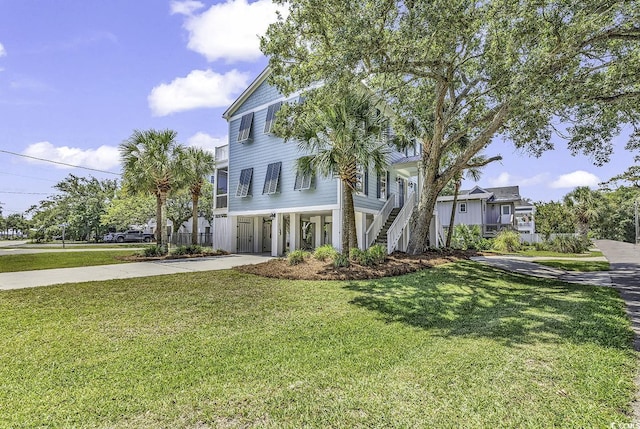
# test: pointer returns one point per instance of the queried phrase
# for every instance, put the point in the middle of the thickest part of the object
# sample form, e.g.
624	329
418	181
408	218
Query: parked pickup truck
131	235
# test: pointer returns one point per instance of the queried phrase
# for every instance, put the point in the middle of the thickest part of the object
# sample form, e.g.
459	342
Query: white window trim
460	206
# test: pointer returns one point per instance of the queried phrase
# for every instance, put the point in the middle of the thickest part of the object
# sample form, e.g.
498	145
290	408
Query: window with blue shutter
245	127
244	184
271	179
271	116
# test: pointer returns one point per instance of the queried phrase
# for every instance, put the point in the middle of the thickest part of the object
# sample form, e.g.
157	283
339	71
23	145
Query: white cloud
206	141
186	7
200	88
577	178
506	179
102	158
3	51
230	30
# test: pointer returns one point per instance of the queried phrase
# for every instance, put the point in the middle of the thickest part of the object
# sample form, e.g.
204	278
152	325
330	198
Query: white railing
222	153
379	221
398	225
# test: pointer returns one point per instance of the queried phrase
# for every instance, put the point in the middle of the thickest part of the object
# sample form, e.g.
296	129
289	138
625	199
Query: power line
58	162
25	193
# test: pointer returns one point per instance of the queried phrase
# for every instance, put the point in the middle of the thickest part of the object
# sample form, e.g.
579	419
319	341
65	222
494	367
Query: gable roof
264	74
494	195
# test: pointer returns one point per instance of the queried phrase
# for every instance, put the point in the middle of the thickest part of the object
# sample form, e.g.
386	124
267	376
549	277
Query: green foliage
325	252
506	241
297	256
378	253
553	218
570	244
374	255
155	250
191	249
467	237
341	261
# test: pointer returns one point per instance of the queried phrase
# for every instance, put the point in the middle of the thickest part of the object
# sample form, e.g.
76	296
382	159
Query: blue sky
78	76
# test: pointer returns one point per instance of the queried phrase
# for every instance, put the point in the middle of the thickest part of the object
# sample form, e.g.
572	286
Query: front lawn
548	253
583	266
459	345
47	260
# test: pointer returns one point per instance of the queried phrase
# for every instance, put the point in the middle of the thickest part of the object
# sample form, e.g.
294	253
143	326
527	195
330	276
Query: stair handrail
379	220
395	230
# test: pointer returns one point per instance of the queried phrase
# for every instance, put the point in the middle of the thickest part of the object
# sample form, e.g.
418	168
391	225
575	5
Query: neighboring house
493	209
263	205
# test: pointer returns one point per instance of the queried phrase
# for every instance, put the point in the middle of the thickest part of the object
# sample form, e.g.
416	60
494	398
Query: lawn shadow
473	300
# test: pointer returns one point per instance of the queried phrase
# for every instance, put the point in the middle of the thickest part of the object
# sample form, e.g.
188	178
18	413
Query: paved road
24	279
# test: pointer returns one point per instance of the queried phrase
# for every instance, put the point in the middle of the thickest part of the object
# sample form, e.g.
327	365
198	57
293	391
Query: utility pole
635	206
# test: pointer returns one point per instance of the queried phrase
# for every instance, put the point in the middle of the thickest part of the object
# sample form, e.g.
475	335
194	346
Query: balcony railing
222	153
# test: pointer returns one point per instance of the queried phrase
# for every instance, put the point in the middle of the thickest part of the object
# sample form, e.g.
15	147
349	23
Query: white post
294	231
276	235
336	229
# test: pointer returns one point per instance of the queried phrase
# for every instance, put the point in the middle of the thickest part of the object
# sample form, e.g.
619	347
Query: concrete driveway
25	279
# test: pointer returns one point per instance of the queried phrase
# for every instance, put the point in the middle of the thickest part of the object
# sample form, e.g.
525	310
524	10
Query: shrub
325	252
570	244
507	241
469	237
541	246
151	251
378	253
191	249
297	256
341	261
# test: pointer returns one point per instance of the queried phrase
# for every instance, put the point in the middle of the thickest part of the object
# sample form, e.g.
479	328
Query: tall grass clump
325	252
152	251
507	241
297	256
570	244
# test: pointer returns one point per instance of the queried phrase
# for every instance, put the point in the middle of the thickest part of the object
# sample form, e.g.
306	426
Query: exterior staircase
382	235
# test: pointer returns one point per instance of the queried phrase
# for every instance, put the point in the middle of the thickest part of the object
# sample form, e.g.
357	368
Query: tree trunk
431	186
348	217
194	218
453	213
161	228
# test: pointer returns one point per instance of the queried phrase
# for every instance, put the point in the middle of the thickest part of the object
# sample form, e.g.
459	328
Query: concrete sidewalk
25	279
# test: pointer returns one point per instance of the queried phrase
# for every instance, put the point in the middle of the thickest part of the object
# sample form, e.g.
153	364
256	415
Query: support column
294	231
276	235
336	229
361	229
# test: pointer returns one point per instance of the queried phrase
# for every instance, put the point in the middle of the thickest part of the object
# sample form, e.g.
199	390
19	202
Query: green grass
461	345
583	266
534	253
47	260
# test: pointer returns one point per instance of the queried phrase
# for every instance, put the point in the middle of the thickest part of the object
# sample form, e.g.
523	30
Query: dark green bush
151	251
469	237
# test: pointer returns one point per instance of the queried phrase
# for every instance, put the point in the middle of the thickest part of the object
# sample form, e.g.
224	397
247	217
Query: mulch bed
311	269
142	258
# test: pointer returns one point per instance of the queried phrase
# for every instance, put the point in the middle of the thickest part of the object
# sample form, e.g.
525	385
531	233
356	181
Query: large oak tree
454	69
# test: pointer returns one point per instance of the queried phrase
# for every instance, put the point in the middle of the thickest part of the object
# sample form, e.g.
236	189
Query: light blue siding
265	93
263	149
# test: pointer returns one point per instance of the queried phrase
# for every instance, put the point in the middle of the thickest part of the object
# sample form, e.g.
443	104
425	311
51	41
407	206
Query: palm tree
341	134
583	204
199	163
152	163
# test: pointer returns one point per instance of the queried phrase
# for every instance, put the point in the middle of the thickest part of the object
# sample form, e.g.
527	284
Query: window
245	127
271	179
244	183
462	207
382	188
362	180
506	210
271	117
303	182
222	189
